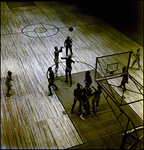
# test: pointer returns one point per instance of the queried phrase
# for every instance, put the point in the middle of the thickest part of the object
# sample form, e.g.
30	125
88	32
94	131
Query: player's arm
63	57
61	49
71	42
73	61
65	43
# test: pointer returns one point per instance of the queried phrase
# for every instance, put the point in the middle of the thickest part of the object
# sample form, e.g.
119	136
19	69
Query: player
68	45
96	98
137	58
8	83
56	57
88	80
77	97
51	81
124	79
68	68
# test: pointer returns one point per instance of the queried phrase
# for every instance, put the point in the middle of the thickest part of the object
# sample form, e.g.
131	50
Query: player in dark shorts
68	45
96	98
77	97
51	80
68	68
124	79
88	80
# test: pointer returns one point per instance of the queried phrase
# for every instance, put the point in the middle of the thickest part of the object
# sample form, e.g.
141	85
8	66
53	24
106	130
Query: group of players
83	95
80	94
51	78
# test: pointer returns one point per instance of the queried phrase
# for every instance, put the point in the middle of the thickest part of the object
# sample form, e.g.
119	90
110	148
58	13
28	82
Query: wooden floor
29	118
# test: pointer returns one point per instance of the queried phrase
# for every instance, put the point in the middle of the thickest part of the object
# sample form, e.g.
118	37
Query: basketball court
32	119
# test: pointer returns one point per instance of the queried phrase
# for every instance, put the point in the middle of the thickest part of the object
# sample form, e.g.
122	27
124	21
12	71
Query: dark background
119	10
126	16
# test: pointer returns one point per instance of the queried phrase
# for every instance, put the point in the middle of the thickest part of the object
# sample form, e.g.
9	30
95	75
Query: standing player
137	58
68	44
124	79
88	80
51	81
77	97
8	83
56	57
87	93
68	68
96	98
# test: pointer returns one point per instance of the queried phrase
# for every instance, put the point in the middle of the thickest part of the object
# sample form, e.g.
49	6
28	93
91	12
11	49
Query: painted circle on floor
40	30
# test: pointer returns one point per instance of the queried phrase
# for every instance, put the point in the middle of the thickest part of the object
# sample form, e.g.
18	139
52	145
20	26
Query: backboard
110	66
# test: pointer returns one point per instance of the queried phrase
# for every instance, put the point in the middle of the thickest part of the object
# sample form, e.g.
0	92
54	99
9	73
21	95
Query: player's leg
70	77
75	100
66	72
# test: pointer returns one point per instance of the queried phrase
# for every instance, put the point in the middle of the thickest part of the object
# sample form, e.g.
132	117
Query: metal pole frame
122	113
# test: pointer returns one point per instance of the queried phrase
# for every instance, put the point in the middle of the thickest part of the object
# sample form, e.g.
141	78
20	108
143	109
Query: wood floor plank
19	143
16	115
38	135
3	118
12	139
76	138
29	138
21	135
50	140
4	140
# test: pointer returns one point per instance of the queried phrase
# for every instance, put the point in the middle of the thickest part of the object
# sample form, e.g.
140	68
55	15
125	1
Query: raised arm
61	49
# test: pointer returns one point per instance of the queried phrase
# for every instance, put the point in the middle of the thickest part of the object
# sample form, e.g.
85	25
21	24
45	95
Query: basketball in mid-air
70	29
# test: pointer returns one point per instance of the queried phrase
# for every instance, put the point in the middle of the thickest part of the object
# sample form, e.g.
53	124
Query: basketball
70	29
